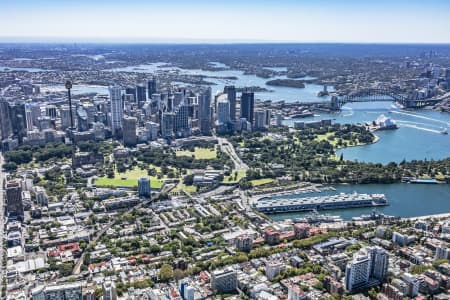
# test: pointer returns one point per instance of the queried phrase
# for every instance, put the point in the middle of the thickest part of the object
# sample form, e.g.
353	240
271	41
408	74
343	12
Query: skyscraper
247	106
64	113
167	120
152	87
231	95
116	110
260	119
141	94
130	90
181	121
204	112
178	98
29	118
223	111
129	131
14	203
5	120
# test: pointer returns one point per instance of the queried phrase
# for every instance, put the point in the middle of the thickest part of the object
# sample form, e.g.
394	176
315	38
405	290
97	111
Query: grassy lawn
128	179
190	189
261	181
322	137
230	179
199	153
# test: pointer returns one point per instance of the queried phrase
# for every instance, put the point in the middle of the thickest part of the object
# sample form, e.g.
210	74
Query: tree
65	269
166	273
10	166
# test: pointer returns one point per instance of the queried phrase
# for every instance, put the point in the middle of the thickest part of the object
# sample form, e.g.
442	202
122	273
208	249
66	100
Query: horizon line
156	41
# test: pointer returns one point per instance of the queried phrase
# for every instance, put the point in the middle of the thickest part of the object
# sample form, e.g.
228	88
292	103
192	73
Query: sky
352	21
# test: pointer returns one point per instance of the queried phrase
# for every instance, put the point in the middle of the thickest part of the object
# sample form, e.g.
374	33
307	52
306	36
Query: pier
340	201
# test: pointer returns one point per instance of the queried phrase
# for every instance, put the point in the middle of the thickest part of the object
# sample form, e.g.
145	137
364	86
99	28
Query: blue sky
389	21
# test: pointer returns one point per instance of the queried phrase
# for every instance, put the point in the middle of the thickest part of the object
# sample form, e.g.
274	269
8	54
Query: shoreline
375	140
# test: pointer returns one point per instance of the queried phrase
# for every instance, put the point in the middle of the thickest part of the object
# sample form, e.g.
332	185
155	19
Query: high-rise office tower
152	87
82	119
178	98
167	122
131	90
50	111
129	131
181	121
223	111
14	203
5	120
204	112
116	110
29	117
18	120
231	95
64	113
156	103
247	106
141	94
260	119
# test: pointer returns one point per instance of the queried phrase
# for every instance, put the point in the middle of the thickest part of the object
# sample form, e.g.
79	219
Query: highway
228	148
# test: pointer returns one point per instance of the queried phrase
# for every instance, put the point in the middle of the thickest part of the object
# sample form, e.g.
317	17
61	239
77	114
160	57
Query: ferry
340	201
419	180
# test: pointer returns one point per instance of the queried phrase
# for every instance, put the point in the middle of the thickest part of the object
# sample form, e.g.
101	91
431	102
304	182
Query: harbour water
405	200
418	137
77	89
288	94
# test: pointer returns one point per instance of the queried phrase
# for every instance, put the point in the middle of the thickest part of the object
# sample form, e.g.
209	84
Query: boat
444	131
419	180
315	217
373	216
424	181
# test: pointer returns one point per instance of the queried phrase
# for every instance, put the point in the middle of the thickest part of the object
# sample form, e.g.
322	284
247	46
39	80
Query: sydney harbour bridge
375	95
379	95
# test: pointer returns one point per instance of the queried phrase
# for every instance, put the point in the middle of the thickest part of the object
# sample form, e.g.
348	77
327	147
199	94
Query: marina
340	201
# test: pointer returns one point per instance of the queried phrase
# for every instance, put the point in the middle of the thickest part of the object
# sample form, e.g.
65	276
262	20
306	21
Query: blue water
308	94
406	200
10	69
418	137
76	89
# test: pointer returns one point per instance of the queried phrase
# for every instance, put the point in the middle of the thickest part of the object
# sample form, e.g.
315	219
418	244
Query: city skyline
200	21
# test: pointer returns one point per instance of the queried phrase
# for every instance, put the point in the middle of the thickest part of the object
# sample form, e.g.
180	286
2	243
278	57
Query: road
228	148
98	235
2	218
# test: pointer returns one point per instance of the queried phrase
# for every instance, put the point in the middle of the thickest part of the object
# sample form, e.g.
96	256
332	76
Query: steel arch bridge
378	95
